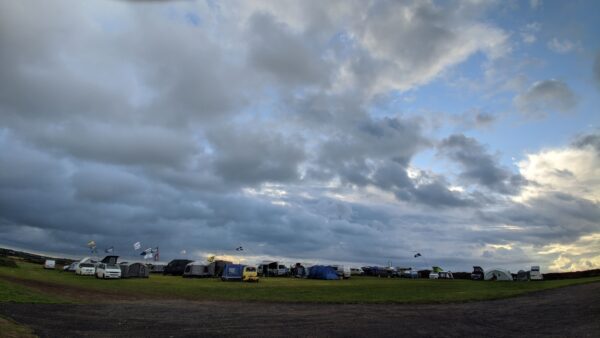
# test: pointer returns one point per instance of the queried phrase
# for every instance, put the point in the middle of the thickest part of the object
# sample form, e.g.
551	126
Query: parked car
106	270
535	273
176	267
356	271
49	264
85	269
477	273
72	267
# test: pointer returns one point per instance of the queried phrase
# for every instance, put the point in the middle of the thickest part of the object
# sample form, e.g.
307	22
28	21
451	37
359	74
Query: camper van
535	273
108	270
274	269
342	271
250	274
85	269
49	264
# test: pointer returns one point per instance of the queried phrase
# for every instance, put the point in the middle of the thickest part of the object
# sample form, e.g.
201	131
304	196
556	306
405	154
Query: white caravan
49	264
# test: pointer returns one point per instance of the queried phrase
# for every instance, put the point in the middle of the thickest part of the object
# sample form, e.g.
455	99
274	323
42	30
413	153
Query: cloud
562	47
528	33
255	156
477	166
544	97
276	50
573	170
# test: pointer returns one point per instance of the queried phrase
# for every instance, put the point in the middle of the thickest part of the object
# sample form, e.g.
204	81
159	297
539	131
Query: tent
134	270
233	272
522	275
156	267
299	271
110	259
322	272
216	268
195	269
498	274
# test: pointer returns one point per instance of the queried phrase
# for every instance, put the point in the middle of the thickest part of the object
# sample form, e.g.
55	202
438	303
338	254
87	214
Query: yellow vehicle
250	274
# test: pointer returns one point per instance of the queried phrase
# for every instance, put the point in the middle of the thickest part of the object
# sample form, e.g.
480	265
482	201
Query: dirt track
566	312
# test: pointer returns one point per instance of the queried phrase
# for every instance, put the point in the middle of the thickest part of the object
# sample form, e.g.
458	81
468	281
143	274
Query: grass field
354	290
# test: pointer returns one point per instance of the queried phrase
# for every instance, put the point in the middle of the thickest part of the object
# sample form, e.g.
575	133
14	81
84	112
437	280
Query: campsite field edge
308	292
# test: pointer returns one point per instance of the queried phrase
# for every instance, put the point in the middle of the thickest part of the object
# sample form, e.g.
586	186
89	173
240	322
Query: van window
251	269
282	266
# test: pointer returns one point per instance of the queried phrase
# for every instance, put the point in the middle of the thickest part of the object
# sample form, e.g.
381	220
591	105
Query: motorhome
535	273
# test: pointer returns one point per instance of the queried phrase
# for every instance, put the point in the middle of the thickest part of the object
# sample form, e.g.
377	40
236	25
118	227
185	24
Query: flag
417	255
183	252
148	251
239	248
156	255
91	244
137	245
109	250
148	255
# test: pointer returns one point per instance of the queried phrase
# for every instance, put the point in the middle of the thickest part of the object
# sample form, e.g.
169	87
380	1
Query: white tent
498	274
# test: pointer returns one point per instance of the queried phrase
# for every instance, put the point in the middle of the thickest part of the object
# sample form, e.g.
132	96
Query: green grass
14	293
354	290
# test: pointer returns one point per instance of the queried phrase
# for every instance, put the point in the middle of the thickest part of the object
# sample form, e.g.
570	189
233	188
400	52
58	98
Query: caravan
535	273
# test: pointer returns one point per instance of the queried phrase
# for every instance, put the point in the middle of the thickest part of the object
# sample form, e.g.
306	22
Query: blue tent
322	272
232	272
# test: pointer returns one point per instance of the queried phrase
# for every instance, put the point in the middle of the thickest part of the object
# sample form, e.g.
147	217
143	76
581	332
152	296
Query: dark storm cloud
478	166
546	96
255	156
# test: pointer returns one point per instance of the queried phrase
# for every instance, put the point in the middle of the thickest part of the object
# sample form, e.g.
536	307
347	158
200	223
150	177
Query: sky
347	132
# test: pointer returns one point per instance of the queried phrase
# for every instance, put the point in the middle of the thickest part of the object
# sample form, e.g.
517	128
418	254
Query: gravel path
566	312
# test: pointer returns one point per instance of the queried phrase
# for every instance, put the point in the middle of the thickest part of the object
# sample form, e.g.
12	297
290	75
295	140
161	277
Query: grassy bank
354	290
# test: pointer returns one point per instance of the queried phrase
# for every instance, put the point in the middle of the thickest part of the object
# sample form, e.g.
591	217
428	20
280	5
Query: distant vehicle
379	271
356	271
72	267
85	269
250	274
273	269
408	273
107	270
439	273
535	273
478	273
66	268
342	271
176	267
49	264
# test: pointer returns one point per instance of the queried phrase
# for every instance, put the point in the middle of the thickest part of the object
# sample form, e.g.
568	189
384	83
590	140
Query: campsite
27	290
